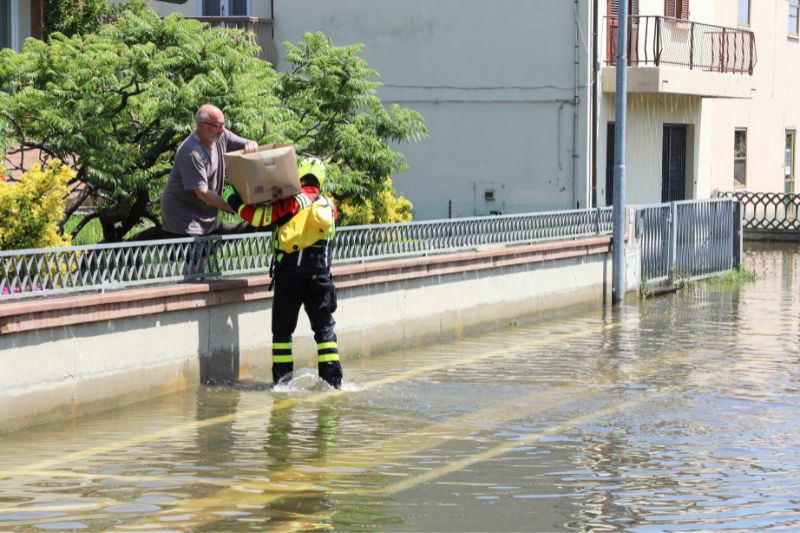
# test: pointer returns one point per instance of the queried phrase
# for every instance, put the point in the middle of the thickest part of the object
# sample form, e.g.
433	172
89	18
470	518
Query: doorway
673	163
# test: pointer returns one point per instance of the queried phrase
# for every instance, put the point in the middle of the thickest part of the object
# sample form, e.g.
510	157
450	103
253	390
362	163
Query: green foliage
385	207
72	17
116	104
734	276
335	114
31	208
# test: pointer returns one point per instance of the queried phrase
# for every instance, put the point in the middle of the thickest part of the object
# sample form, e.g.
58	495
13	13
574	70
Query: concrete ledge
79	354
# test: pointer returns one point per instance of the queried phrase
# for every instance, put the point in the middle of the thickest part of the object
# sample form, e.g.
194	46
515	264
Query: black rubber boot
279	370
331	372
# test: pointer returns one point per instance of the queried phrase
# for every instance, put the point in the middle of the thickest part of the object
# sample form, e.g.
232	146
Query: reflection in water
672	414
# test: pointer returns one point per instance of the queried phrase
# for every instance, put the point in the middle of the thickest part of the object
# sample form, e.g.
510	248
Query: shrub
31	209
384	207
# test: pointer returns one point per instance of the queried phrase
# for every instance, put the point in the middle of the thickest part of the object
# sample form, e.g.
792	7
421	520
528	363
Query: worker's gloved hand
227	193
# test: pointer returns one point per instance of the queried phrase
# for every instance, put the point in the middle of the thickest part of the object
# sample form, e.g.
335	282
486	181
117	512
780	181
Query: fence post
691	45
673	238
738	216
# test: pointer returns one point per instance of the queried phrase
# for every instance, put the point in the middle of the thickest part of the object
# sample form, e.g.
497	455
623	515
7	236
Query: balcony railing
261	29
661	41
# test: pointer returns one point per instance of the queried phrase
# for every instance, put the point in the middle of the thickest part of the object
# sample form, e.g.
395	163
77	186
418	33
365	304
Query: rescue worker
300	272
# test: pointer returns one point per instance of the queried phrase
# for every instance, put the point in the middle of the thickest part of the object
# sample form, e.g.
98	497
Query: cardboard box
266	175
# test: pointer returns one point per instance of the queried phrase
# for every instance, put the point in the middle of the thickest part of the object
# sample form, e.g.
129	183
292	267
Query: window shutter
633	8
669	8
684	9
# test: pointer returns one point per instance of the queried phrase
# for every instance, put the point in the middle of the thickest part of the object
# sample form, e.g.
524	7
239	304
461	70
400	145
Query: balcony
261	29
674	56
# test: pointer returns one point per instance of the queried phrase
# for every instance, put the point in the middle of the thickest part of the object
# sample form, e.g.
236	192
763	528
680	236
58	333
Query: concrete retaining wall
63	357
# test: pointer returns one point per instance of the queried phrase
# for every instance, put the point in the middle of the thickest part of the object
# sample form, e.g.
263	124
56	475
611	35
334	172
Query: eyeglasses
215	125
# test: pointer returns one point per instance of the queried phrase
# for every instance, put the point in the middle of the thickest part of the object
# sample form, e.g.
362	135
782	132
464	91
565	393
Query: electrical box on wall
489	198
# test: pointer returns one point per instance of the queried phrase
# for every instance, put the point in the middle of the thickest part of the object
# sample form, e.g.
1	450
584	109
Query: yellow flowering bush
384	208
31	208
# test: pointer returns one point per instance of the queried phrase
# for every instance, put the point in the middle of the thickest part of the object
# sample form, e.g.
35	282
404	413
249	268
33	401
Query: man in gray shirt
193	195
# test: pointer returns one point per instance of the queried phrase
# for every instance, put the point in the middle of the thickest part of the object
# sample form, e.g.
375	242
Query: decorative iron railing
669	41
27	273
261	32
688	239
769	211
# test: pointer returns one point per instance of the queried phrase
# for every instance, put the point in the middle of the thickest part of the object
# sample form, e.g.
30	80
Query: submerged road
672	414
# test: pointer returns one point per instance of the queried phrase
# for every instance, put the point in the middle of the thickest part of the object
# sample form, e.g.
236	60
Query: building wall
709	143
647	115
495	83
773	108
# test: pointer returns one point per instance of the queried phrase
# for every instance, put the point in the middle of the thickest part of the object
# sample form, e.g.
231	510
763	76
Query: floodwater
679	413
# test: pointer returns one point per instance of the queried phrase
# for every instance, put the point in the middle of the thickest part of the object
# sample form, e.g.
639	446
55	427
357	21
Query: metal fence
654	40
41	272
688	239
768	211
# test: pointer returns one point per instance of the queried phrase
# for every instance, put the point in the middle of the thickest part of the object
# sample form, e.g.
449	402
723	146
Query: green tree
72	17
116	104
337	115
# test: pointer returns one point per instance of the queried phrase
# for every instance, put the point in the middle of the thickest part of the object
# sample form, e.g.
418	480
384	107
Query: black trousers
314	291
309	285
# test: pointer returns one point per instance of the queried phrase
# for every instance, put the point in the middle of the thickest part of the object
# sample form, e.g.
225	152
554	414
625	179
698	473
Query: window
740	158
5	23
794	10
678	9
744	12
224	8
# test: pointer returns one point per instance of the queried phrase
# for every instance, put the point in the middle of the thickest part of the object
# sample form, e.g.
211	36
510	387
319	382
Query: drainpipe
594	101
575	100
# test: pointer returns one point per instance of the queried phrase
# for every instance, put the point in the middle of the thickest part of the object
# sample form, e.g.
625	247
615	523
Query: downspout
576	202
595	69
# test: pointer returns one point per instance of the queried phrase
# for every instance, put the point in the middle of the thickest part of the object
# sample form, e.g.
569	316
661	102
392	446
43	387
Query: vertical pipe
575	99
618	267
594	122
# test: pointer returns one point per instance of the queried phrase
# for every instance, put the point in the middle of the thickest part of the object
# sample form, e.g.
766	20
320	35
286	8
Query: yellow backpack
309	225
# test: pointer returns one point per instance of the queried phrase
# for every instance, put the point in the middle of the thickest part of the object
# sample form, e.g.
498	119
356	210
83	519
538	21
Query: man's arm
211	198
238	143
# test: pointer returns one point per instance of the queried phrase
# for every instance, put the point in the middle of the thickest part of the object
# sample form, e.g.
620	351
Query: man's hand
250	147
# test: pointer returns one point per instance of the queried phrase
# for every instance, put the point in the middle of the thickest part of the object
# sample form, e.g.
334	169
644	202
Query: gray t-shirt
195	167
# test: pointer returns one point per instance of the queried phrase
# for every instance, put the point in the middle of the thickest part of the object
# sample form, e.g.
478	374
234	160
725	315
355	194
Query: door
225	8
673	164
611	141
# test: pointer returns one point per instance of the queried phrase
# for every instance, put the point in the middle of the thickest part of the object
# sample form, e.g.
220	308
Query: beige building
519	95
755	141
